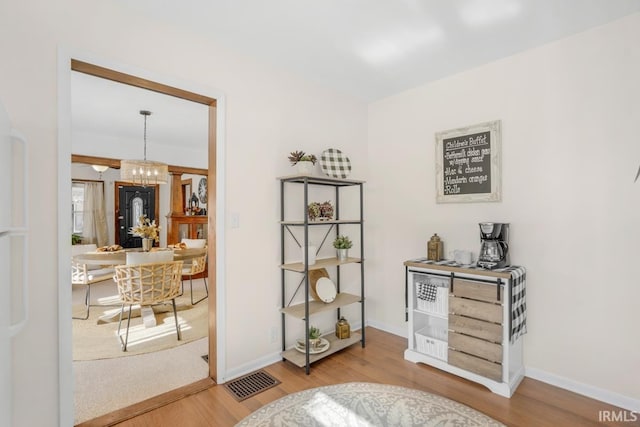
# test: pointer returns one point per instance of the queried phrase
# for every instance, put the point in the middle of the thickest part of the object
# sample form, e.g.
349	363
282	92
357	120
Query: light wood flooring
534	403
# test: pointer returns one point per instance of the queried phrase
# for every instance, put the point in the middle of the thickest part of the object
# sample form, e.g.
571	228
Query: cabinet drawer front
477	328
476	290
475	309
475	346
475	364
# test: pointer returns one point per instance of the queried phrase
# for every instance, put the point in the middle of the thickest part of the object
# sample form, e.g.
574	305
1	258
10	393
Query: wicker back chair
195	266
148	284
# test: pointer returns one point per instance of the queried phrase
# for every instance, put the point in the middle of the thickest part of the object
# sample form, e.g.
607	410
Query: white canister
312	254
462	257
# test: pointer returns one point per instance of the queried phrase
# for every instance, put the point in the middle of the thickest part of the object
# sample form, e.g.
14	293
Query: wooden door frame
120	77
116	205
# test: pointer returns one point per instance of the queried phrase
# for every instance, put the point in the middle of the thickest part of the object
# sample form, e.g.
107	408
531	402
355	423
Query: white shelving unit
305	310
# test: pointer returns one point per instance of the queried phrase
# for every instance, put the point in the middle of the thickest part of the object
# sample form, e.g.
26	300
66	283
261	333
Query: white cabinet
460	321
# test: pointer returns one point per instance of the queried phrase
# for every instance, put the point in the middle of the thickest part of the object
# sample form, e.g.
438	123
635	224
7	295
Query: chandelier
144	172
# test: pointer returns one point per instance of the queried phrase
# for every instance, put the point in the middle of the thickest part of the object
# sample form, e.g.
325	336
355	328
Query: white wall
268	114
570	116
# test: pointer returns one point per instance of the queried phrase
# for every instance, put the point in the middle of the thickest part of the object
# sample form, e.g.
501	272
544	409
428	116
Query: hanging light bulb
144	172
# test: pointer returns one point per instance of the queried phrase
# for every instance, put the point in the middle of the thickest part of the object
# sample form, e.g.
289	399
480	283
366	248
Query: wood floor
534	403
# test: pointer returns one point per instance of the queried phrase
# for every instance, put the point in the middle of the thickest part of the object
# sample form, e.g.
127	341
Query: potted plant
76	239
320	211
342	245
304	162
314	337
148	230
326	211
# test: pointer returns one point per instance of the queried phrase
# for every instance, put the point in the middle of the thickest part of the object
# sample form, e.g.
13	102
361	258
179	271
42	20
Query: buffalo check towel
518	301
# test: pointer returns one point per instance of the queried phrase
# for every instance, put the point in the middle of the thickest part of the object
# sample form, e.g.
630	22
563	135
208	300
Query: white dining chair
87	275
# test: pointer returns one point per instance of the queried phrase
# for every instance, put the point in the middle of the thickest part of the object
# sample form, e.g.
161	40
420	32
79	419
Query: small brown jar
434	248
343	330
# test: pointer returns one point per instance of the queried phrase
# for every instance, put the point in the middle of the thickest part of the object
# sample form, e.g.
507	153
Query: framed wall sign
468	164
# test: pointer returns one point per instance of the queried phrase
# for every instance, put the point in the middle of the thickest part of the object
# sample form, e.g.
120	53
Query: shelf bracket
292	235
296	292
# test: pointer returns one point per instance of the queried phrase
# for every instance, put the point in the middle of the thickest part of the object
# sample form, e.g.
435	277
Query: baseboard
590	391
395	330
587	390
254	365
260	363
597	393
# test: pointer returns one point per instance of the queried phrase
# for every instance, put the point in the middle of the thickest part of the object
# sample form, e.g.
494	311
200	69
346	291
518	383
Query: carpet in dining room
96	337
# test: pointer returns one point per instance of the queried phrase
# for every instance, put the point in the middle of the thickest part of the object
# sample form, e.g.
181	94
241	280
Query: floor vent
244	387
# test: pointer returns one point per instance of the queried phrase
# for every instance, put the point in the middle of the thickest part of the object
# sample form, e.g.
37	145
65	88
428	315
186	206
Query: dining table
119	257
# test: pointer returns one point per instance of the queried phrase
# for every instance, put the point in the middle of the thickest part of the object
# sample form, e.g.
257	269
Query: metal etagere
307	308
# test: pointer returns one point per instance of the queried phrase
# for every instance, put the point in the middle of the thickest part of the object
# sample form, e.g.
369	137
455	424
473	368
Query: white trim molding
395	330
587	390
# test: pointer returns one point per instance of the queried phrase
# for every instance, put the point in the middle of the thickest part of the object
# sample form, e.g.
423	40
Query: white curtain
95	216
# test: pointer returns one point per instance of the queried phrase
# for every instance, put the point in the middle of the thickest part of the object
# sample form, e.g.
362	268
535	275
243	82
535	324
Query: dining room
107	207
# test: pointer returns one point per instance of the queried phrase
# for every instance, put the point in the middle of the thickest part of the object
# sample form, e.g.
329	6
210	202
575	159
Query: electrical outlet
274	334
235	220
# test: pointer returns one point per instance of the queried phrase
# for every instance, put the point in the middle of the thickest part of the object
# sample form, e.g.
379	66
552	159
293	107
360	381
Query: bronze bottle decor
434	248
343	330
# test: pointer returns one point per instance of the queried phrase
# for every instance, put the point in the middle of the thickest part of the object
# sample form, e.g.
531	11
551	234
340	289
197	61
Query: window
137	210
77	207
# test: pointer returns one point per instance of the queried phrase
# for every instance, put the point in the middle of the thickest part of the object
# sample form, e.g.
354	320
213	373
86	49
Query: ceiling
112	110
375	48
368	49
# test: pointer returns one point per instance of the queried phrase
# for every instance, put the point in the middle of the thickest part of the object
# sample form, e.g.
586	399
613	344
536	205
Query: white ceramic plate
323	346
326	289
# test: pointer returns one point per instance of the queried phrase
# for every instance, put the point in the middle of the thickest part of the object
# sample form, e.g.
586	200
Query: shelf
321	180
336	344
320	263
342	299
334	221
431	314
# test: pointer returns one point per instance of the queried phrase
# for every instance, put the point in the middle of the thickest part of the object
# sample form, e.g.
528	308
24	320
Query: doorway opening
132	202
211	103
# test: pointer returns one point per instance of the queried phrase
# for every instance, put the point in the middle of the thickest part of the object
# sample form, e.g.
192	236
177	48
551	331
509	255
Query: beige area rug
96	338
103	386
365	405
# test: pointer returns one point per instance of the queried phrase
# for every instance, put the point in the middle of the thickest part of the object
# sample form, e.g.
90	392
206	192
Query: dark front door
134	201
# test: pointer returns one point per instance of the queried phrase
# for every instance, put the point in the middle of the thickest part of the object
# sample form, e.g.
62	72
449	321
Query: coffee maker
494	245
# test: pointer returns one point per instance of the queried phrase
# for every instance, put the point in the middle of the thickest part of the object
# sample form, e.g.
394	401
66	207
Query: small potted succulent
342	245
314	337
304	162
